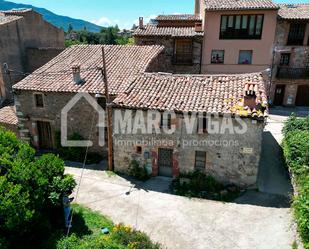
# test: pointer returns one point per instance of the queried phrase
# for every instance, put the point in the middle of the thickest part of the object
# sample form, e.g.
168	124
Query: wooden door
279	94
302	98
45	135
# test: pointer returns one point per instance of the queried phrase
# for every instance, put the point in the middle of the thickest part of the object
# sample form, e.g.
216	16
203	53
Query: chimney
76	75
141	23
198	27
197	11
250	96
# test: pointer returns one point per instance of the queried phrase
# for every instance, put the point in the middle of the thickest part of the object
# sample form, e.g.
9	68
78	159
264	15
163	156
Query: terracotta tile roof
8	115
294	11
239	4
122	63
179	17
154	30
9	19
220	94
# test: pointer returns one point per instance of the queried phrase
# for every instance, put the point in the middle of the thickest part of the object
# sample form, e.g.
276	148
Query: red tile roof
122	63
154	30
8	115
179	17
239	4
222	94
294	11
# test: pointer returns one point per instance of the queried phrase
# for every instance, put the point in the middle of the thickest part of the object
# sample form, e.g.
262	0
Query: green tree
70	28
30	191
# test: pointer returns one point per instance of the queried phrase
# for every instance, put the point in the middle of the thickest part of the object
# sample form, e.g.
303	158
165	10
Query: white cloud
105	21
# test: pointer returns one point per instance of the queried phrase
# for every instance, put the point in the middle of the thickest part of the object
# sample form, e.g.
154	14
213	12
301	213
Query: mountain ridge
57	20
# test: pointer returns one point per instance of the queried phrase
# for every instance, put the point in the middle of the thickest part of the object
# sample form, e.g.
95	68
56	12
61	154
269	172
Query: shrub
137	171
76	154
30	190
204	186
296	152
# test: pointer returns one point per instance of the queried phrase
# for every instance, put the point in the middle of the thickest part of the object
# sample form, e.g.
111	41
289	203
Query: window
183	52
39	100
202	125
245	57
285	59
297	34
200	160
217	56
139	149
166	121
102	102
241	26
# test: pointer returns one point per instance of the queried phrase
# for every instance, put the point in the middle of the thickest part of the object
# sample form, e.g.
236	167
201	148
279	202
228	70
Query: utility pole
109	114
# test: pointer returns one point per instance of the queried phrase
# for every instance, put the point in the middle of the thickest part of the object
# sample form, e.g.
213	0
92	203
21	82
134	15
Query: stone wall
36	57
169	44
31	31
236	163
79	117
299	58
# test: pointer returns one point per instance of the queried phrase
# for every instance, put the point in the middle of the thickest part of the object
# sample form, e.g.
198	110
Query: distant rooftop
213	5
179	17
8	19
294	11
16	11
8	115
154	30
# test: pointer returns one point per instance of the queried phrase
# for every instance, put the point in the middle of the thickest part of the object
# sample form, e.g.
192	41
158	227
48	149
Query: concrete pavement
182	223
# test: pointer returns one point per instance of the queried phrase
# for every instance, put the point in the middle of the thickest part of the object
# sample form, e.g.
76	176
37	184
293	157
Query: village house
290	84
26	43
231	157
234	36
40	97
182	37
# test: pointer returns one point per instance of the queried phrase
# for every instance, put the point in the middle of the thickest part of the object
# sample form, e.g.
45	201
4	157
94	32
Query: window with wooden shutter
183	53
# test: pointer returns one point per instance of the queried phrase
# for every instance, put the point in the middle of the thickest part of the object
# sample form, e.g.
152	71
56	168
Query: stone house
26	43
229	156
290	83
239	35
182	37
40	97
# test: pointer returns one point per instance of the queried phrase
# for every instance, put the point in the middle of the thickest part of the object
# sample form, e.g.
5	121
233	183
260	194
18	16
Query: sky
121	12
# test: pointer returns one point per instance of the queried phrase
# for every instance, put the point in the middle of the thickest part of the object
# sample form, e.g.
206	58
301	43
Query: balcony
292	73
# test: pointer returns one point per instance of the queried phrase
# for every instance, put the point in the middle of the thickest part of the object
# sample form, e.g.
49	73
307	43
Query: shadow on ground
300	111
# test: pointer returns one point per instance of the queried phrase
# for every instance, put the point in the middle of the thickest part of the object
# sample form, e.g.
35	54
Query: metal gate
165	162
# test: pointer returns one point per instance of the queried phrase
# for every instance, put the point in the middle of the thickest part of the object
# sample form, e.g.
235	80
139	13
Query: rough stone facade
169	44
299	60
79	117
29	31
236	163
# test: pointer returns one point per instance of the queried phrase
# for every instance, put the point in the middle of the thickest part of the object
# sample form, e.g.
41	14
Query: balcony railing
292	73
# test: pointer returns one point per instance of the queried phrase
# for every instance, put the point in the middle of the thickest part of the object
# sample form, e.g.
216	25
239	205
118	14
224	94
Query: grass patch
200	185
86	233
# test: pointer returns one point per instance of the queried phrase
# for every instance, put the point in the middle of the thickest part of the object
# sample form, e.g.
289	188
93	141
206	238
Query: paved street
260	220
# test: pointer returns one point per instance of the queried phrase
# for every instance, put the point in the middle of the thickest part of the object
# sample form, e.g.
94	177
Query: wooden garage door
302	98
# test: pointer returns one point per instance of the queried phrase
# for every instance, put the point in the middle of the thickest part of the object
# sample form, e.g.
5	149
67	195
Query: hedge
296	152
